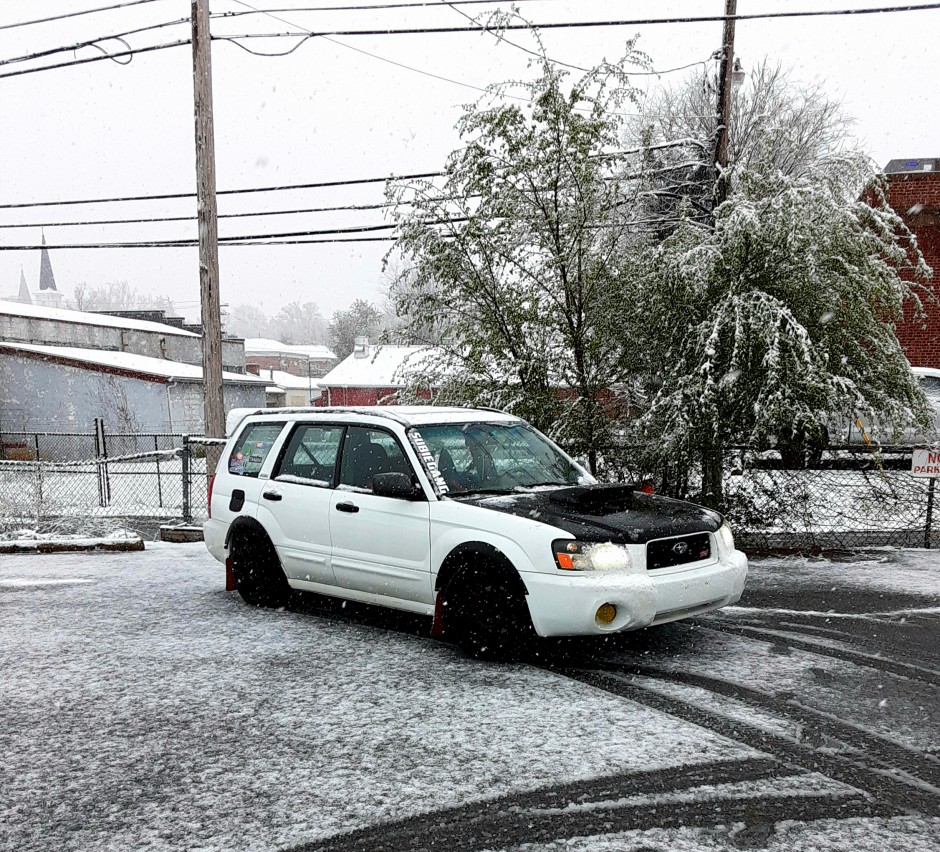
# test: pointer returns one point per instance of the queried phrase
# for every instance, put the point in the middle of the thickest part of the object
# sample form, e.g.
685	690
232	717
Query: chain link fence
850	498
40	489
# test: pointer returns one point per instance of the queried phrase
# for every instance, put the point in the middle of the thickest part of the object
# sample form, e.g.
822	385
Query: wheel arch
244	523
478	554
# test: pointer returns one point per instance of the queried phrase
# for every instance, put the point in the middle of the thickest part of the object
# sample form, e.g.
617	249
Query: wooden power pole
208	226
725	91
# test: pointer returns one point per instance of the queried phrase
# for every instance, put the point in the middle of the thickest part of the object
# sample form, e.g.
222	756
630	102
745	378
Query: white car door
380	545
295	505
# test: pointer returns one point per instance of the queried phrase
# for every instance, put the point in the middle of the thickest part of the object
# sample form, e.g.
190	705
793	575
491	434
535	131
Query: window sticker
251	450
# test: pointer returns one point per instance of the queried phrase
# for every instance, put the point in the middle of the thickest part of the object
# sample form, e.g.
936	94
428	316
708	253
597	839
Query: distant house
308	360
287	389
914	191
372	375
26	323
65	388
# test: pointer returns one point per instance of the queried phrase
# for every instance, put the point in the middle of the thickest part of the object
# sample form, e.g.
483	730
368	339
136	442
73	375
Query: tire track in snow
780	637
592	807
880	778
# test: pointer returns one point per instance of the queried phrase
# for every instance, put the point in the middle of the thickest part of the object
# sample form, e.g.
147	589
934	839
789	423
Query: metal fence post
156	458
186	458
929	522
101	452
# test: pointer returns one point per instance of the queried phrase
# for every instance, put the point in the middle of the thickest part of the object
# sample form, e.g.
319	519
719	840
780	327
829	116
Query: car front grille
667	552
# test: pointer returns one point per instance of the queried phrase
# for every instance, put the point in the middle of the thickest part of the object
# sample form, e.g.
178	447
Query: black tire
259	578
488	617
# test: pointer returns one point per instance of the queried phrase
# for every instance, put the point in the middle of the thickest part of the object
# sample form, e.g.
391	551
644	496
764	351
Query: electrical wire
133	52
871	10
248	190
676	143
521	47
153	219
365	8
75	14
92	42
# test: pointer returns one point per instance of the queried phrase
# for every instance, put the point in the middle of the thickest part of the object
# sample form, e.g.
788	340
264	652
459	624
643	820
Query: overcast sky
329	112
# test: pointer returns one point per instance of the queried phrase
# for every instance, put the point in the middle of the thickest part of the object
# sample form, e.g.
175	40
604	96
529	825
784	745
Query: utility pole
208	228
723	112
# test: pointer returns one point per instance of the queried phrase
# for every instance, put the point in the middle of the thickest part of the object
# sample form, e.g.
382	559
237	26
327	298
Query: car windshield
498	457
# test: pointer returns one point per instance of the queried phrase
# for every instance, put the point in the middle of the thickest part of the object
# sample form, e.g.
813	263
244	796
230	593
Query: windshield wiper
541	484
474	491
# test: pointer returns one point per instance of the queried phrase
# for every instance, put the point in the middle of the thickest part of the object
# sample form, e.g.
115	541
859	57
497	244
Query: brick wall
916	197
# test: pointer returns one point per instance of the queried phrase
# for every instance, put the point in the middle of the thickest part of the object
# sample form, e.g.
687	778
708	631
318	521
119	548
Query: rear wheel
257	570
487	616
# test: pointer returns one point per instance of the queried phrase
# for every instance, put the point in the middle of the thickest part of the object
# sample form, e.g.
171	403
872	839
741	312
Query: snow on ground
145	708
850	835
912	571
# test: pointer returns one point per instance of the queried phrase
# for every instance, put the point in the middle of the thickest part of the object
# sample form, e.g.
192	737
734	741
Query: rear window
252	448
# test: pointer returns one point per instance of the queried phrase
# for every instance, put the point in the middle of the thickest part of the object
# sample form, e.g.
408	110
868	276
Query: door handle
347	507
271	495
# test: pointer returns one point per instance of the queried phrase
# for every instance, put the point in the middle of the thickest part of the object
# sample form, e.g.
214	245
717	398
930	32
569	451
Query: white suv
469	516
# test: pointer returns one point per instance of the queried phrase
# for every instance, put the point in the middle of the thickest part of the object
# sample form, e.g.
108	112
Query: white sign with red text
926	463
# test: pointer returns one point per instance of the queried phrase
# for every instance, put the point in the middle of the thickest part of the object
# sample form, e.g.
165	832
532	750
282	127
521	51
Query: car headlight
573	555
725	539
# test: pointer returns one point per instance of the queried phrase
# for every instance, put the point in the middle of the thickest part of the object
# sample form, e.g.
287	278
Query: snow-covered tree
780	317
247	320
778	124
299	322
360	319
516	261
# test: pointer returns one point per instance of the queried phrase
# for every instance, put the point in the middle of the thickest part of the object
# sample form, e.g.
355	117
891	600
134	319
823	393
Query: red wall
916	197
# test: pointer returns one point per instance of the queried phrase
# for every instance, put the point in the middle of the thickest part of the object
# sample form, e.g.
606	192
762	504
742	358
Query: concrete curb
64	545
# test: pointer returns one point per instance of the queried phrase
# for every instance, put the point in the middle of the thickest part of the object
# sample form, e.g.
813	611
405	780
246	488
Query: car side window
310	455
252	448
367	452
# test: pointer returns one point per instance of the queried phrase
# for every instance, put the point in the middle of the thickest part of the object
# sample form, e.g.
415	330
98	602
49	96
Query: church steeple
23	295
46	278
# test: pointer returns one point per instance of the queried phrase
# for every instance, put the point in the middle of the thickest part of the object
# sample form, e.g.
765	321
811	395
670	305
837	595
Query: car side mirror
395	485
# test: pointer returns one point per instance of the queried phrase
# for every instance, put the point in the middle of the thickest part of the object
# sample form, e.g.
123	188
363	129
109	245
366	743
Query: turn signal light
606	613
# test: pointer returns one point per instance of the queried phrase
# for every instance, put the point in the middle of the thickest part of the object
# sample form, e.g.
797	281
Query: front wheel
257	570
488	617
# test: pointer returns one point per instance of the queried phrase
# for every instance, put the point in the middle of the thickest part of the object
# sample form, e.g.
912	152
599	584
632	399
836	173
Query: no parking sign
925	462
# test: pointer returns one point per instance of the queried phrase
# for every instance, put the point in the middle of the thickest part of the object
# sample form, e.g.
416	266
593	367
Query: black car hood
614	513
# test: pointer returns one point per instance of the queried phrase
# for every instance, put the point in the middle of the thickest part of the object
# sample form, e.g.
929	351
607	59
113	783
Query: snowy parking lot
145	708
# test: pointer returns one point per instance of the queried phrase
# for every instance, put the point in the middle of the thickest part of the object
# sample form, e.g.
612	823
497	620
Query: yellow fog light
606	613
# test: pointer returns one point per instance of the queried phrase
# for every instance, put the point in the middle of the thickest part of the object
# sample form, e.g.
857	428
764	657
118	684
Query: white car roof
404	415
923	372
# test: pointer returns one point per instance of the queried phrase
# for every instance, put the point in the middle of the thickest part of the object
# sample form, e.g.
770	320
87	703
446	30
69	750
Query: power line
676	143
610	23
92	42
247	190
238	241
153	219
130	53
521	47
363	8
75	14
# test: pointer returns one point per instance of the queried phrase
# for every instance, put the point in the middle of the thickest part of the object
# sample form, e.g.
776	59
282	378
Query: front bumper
565	604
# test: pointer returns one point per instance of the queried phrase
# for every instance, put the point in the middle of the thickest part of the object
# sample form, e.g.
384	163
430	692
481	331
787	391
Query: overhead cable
132	52
75	14
687	19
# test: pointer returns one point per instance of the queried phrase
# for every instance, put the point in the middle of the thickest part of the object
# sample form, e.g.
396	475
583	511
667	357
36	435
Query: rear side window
368	452
252	448
310	455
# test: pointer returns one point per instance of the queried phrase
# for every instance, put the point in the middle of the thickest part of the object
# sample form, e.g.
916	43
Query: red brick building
914	192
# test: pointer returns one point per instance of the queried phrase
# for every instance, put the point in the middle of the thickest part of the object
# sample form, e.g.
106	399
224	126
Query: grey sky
327	112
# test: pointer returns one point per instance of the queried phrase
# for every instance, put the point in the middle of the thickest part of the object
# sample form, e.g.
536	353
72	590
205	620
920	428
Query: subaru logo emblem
680	548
